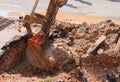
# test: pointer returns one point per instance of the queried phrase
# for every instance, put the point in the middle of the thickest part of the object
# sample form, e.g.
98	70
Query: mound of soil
71	53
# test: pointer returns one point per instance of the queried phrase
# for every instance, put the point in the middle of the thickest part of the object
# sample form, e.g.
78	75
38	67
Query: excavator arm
46	20
35	50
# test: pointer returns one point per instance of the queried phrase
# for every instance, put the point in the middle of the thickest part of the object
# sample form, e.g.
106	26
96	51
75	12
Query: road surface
102	8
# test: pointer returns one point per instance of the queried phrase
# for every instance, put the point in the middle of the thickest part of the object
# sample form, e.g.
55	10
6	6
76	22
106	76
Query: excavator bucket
34	50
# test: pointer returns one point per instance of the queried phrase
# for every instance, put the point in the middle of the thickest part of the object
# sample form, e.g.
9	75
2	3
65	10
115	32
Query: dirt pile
77	40
79	52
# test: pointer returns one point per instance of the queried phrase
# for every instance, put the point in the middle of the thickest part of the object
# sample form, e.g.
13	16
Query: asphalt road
102	8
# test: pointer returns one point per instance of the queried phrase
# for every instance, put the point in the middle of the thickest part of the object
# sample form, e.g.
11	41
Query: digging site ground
81	48
78	52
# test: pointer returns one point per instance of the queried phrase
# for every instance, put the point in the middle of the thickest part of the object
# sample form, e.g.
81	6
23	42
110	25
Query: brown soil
69	52
71	17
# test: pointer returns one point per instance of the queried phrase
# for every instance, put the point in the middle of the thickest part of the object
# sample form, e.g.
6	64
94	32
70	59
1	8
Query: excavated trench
13	54
89	52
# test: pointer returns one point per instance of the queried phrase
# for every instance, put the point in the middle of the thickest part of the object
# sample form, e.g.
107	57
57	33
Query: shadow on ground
71	6
84	2
81	1
114	0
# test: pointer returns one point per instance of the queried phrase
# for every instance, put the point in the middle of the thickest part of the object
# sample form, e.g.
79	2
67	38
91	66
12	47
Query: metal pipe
34	7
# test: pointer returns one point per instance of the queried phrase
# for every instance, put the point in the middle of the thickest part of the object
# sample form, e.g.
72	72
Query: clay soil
71	43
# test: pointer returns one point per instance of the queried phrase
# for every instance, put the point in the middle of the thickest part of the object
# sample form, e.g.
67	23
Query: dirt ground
72	56
70	17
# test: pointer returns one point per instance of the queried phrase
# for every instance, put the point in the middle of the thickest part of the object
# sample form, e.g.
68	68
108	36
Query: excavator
35	43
